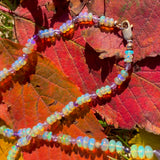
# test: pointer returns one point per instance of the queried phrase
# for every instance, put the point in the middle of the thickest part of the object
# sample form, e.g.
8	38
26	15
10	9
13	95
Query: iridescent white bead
26	50
51	32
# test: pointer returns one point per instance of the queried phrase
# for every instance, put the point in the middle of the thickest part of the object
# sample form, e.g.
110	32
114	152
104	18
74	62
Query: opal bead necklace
26	134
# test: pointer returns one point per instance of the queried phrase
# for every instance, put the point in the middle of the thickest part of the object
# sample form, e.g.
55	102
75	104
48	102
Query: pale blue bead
20	132
119	147
141	153
79	100
87	97
85	142
124	73
111	22
22	141
41	34
112	145
51	32
2	75
8	132
104	144
46	33
44	136
28	130
148	152
91	144
134	152
40	126
85	16
79	141
102	19
121	77
67	108
129	52
71	105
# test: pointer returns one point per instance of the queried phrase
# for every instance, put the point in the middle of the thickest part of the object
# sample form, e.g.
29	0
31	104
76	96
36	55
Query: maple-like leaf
34	93
81	59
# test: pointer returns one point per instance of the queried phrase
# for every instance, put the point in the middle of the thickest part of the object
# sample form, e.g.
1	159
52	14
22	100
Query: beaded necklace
26	134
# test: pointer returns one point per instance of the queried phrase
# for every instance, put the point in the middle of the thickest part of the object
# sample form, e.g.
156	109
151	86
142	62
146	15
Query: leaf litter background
73	67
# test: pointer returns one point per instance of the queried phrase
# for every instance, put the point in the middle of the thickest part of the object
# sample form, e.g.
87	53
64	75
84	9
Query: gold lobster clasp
126	28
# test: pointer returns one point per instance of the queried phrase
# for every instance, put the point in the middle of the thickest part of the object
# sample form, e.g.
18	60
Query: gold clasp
126	28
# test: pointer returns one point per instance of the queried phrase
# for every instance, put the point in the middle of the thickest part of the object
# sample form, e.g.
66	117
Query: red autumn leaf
136	104
34	93
79	60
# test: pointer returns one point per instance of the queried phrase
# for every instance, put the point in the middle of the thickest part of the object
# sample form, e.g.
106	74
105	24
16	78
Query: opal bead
8	132
128	56
104	144
102	19
80	17
111	22
66	140
117	81
5	71
128	60
85	16
87	97
121	77
98	92
103	90
58	115
106	22
61	28
124	73
141	152
2	128
51	32
2	75
49	136
26	50
65	110
15	149
148	152
108	89
44	136
134	151
79	100
50	120
91	144
71	106
79	141
85	142
119	147
90	16
53	118
112	145
23	141
46	33
127	52
41	34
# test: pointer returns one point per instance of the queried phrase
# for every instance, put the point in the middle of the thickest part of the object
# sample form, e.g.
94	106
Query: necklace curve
25	135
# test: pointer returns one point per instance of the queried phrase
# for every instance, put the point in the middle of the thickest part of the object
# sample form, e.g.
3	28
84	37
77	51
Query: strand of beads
26	134
90	143
82	142
20	62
